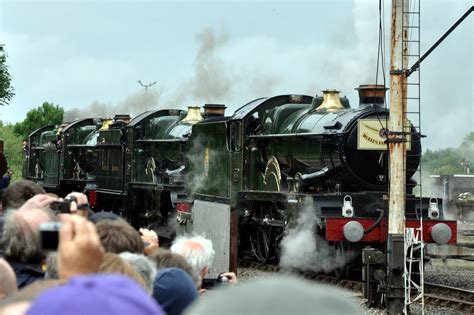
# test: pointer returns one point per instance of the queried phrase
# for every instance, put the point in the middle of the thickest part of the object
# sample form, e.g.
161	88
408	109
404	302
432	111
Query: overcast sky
85	55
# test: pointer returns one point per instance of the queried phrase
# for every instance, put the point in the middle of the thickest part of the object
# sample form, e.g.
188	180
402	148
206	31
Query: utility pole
146	86
396	139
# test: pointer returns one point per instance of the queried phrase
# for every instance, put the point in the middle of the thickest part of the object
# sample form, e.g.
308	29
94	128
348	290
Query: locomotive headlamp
347	208
433	210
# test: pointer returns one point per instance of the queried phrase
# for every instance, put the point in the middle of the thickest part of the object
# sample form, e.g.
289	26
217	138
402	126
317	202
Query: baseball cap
174	290
96	294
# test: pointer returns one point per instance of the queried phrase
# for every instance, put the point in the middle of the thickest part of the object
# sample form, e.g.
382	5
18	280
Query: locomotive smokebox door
213	221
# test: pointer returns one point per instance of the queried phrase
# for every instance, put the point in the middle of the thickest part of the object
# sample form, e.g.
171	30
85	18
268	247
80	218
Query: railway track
435	294
442	295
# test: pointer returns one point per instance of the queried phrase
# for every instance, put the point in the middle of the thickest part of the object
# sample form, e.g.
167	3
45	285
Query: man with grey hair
21	238
143	266
199	253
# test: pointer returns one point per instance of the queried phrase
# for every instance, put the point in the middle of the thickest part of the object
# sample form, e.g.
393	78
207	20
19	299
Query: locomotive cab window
234	137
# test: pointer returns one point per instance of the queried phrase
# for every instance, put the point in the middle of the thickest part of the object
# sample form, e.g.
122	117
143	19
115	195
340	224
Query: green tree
451	160
468	139
6	90
13	149
44	115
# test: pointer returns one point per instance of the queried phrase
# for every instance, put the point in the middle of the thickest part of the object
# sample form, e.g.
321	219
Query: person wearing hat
175	290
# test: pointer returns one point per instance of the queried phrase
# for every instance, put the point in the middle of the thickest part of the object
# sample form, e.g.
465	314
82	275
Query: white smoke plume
214	79
218	77
133	105
302	249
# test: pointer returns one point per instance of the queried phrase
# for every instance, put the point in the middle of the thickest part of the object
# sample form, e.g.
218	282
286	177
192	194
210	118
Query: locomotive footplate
146	186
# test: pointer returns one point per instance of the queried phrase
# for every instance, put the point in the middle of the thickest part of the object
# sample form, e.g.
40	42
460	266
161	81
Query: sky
87	56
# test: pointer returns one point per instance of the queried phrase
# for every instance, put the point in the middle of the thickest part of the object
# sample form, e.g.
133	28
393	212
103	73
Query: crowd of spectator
102	265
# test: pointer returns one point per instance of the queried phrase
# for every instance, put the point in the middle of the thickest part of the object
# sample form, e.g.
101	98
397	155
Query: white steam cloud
302	249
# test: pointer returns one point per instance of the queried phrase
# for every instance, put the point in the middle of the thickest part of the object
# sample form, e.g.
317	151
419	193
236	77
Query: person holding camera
73	203
199	253
21	239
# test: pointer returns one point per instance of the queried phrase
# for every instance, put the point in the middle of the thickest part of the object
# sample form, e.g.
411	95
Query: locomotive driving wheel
263	246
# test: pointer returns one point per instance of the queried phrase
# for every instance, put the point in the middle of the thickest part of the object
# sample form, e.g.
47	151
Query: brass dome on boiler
331	102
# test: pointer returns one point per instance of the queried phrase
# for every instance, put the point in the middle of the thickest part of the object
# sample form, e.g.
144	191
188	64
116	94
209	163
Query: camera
49	235
62	206
210	284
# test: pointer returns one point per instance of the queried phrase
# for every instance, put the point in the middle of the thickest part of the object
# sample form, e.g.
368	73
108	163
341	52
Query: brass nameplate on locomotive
371	134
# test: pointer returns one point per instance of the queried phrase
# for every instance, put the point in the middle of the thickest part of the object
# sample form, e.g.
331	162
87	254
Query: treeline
13	135
450	160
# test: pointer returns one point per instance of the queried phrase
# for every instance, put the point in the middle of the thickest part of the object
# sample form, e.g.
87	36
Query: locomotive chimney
193	116
214	110
331	102
371	94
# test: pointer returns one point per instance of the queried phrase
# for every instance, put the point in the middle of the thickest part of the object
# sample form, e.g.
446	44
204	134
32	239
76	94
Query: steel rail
435	294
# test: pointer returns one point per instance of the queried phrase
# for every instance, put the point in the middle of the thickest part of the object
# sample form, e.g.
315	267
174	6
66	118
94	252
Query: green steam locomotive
134	167
282	164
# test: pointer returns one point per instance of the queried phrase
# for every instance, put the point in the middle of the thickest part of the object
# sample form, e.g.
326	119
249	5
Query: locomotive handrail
289	135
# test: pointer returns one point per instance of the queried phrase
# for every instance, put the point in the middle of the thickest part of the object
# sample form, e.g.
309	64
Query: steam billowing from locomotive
303	249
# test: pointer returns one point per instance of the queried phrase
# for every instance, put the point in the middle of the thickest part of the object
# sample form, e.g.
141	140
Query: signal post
396	140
